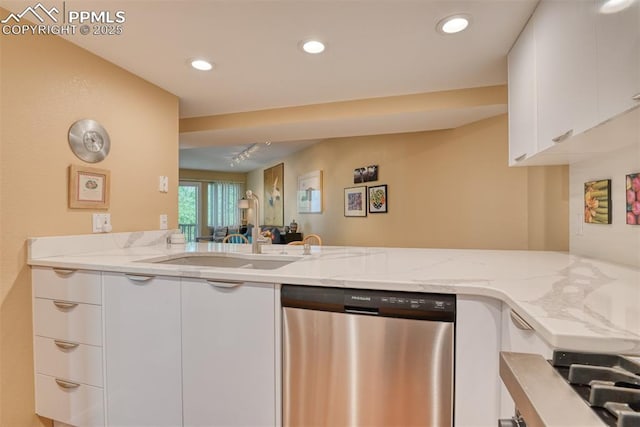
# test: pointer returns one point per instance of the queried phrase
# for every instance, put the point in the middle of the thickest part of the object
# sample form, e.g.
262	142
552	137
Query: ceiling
375	48
219	158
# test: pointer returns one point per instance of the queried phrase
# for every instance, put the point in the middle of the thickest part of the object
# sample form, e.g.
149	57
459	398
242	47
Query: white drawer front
79	406
68	285
81	324
76	362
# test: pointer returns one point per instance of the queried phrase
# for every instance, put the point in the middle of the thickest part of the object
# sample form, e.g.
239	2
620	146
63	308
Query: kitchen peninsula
570	302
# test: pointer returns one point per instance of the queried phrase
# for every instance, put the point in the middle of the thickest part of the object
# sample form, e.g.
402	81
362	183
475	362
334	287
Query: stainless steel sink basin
226	261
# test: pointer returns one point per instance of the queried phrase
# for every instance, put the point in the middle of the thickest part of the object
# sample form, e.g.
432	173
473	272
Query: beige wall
359	108
46	84
446	189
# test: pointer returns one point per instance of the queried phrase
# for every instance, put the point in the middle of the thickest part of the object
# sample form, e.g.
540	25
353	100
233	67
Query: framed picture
633	198
597	202
355	201
310	192
274	195
378	199
88	188
368	174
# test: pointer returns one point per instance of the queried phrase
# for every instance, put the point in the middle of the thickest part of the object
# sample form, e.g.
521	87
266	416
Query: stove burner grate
610	384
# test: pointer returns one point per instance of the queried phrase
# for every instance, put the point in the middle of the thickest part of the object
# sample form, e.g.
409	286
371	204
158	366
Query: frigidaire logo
359	298
59	20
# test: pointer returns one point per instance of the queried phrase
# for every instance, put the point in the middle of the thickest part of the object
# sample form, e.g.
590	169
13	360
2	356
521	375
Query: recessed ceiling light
313	46
201	64
453	24
615	6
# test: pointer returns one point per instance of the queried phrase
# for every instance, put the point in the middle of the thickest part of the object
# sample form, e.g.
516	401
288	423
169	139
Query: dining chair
235	238
312	239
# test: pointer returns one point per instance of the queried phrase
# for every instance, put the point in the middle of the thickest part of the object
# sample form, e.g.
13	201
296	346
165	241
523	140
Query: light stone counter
572	302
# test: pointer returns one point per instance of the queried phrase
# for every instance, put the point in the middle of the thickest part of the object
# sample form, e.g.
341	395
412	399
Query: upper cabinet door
522	97
566	69
618	44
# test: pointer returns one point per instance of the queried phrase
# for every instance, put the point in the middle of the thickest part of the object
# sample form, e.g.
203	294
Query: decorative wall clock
89	140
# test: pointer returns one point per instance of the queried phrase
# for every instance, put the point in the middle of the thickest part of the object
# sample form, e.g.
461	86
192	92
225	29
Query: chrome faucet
256	238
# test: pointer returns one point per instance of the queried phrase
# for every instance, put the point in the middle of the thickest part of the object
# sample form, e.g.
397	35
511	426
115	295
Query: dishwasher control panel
402	304
413	305
416	303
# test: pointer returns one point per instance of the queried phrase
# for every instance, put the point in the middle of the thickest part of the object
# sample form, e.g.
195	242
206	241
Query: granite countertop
571	301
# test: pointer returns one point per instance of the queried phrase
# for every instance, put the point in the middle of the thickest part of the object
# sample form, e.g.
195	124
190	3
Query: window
188	209
223	203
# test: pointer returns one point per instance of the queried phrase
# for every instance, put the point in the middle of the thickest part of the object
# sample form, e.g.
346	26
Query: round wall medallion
89	140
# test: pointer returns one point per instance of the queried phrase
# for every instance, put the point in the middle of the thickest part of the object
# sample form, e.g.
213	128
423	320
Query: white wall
616	242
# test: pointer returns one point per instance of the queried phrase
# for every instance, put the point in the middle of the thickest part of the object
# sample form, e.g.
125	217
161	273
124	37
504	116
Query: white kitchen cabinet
477	381
142	350
229	353
65	359
67	285
68	321
67	325
618	67
565	69
518	336
522	97
66	402
484	328
587	72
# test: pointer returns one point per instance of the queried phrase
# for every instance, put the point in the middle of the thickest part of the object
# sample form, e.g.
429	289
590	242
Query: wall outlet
579	225
163	222
163	184
101	223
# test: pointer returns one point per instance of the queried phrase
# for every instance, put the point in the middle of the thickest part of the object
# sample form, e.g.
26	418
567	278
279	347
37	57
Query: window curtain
223	203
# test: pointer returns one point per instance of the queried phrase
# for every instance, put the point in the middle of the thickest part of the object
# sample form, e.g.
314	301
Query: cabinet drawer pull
139	277
64	271
520	157
66	384
66	345
65	305
520	322
636	97
219	284
563	137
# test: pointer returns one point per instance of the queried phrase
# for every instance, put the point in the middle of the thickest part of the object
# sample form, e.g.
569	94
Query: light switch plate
163	222
163	184
101	222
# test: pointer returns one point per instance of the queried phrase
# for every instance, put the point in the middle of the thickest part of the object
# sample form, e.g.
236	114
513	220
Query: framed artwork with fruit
597	202
633	198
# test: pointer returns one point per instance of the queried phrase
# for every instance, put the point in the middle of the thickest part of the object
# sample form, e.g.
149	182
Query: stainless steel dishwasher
356	357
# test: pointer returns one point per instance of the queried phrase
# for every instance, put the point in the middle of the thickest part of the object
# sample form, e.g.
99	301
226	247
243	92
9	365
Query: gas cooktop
574	388
609	383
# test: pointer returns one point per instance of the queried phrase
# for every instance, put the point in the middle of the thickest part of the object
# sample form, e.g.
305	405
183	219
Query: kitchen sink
227	261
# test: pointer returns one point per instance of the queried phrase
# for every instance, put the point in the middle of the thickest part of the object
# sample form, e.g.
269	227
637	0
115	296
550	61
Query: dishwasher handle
362	310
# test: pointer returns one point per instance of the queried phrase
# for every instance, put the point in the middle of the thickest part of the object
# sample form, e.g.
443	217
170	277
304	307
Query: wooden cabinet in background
292	237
